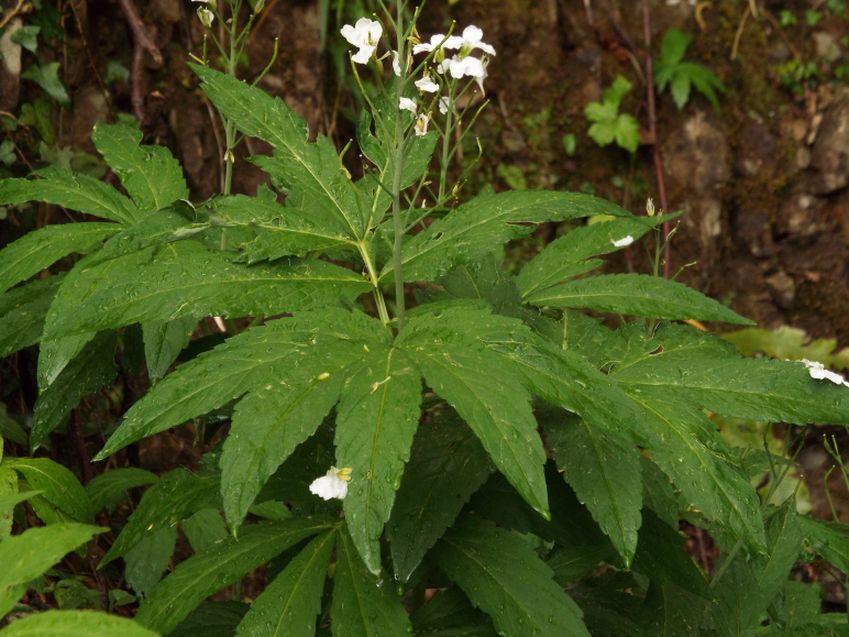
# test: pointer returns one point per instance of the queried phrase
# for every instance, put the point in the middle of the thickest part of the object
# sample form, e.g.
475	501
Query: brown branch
141	44
656	152
20	8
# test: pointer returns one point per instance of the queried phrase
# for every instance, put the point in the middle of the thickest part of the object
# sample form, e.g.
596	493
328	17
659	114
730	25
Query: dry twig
142	44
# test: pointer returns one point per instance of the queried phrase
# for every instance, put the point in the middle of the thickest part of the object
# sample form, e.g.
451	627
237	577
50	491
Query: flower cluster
365	35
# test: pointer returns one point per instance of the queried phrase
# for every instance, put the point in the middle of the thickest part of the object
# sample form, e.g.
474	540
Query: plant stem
397	221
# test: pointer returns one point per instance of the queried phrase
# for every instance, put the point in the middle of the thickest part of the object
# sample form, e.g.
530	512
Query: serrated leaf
150	174
636	294
249	360
40	248
204	529
627	132
28	555
205	573
73	623
61	487
106	489
279	231
601	470
566	257
312	173
187	279
268	424
22	313
70	190
163	342
447	465
505	578
145	563
719	380
361	608
705	82
680	89
449	349
289	605
55	354
177	495
685	444
89	372
470	232
376	420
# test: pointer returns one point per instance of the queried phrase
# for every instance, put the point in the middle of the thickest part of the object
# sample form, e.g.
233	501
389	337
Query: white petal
444	104
372	28
422	48
467	67
624	241
330	485
349	33
396	64
406	104
486	48
472	34
452	43
427	85
363	55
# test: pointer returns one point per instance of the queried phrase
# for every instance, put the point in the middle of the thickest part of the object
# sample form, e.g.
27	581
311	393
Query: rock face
830	154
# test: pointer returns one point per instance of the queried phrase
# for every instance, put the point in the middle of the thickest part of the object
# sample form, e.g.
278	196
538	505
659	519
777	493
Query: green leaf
47	77
212	619
205	573
9	496
204	529
450	614
673	47
177	495
30	554
22	313
601	469
448	347
107	489
74	623
40	248
88	373
447	465
311	173
376	420
705	82
70	190
829	539
567	256
627	132
719	380
145	563
504	577
360	607
289	605
639	295
685	444
61	487
187	279
279	231
10	429
254	358
473	230
268	424
55	354
614	93
27	37
163	342
680	89
150	174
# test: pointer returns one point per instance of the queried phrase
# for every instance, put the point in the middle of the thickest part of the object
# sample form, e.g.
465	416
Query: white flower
364	35
406	104
463	67
421	125
427	85
818	371
206	17
624	241
333	484
444	105
396	64
472	39
452	43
